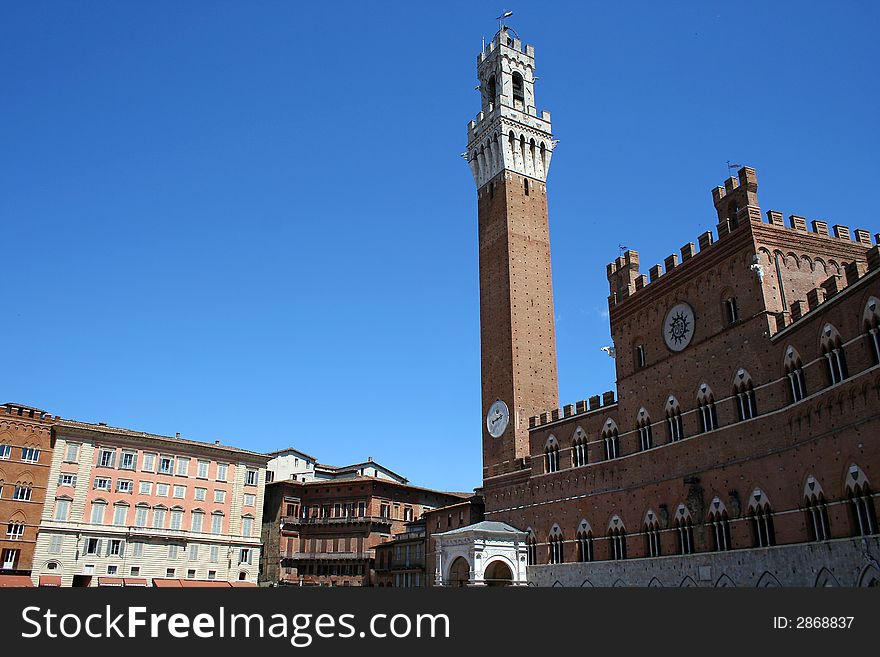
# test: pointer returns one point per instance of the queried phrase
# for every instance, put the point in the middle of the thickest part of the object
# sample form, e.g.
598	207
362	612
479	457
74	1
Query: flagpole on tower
500	19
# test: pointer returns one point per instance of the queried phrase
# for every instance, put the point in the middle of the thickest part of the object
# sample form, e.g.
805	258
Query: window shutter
98	550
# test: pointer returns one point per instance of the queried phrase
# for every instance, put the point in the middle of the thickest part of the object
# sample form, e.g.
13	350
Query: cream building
130	508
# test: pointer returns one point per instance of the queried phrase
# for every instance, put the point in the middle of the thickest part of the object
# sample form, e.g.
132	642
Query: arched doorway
460	572
498	574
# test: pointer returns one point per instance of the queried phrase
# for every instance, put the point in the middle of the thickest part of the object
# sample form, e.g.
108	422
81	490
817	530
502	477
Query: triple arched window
861	503
610	440
719	521
556	545
684	528
579	448
816	510
761	517
551	455
652	534
744	392
706	409
617	538
794	370
531	547
643	426
585	541
674	423
835	357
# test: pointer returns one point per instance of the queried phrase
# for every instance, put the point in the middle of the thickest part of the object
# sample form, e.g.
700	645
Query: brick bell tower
509	150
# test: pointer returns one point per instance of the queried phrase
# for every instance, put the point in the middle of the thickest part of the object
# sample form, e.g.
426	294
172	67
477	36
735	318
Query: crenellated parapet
12	409
594	403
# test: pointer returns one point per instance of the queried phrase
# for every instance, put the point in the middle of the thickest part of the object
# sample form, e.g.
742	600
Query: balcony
413	563
344	520
327	556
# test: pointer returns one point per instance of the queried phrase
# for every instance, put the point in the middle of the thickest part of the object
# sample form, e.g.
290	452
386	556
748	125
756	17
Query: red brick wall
517	339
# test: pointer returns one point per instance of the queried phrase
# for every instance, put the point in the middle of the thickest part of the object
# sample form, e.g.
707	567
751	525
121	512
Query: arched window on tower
617	538
556	545
761	518
684	529
872	327
518	89
674	423
816	510
706	409
744	392
551	455
610	440
511	148
492	92
652	534
861	503
585	541
719	524
579	448
794	370
643	426
835	358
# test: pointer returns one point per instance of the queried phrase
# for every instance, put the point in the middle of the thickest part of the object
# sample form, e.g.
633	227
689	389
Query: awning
245	585
110	581
201	583
50	580
15	580
134	581
166	583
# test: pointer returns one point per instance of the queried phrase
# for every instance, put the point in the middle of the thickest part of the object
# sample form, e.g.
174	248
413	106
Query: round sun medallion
678	327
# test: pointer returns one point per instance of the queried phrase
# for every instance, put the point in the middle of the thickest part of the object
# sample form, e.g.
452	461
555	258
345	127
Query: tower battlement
509	133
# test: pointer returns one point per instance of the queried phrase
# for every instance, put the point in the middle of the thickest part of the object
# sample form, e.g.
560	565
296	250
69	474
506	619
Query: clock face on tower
497	418
678	327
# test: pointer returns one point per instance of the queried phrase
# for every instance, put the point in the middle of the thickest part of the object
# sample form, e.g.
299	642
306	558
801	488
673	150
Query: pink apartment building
125	507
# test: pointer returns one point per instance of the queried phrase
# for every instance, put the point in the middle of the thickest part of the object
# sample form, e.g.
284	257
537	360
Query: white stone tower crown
508	134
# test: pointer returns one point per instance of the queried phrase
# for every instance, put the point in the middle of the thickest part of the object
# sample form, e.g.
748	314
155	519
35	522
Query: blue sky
250	221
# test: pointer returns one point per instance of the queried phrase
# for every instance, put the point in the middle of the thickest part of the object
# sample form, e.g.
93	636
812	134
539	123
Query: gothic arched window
643	426
835	358
745	396
706	407
585	541
617	538
652	534
719	523
816	510
761	517
551	455
861	503
579	448
684	527
556	545
794	370
674	423
610	440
